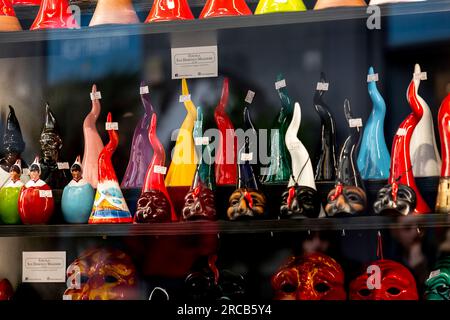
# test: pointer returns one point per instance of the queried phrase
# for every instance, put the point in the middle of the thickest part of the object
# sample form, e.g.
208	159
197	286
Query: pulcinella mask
300	202
199	204
345	200
246	203
153	206
395	199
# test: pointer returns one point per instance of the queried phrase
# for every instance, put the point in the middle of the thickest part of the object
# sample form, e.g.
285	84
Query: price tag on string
160	169
45	194
63	165
420	76
185	98
247	156
170	4
144	90
401	132
112	126
96	95
372	77
322	86
280	84
355	123
434	273
250	96
201	141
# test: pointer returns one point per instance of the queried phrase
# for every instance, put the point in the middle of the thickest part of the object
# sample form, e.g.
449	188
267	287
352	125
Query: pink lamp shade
114	12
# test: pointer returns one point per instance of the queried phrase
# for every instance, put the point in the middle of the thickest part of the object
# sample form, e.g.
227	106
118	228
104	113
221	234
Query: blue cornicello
78	197
374	158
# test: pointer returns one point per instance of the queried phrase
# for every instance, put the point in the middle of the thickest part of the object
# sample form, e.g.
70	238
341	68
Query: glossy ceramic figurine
13	145
9	196
114	12
105	274
77	197
373	158
169	10
443	196
26	2
199	201
93	144
326	155
425	157
273	6
140	154
348	198
6	290
54	14
36	203
154	204
323	4
396	283
279	170
301	199
226	152
109	203
401	196
437	286
223	8
314	276
8	19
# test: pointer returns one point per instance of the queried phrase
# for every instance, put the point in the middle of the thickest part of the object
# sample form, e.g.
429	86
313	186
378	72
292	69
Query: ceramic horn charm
169	10
273	6
140	154
348	198
8	19
109	203
324	4
114	12
54	14
223	8
154	204
373	158
301	199
9	195
443	196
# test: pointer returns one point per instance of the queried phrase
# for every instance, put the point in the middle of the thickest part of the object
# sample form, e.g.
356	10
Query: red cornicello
444	131
169	10
222	8
54	14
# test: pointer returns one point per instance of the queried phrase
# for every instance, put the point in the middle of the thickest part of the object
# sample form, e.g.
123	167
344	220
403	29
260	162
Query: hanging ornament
273	6
9	195
224	8
324	4
54	14
114	12
8	19
442	202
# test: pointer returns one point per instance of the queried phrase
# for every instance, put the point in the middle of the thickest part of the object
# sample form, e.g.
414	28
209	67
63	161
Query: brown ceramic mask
152	206
397	199
199	204
300	202
246	203
345	201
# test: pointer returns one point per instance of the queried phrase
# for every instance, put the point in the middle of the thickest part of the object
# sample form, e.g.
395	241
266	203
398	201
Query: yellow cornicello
184	162
273	6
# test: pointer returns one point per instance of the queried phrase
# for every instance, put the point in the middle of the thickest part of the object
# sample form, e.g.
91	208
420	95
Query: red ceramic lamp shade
222	8
168	10
8	19
54	14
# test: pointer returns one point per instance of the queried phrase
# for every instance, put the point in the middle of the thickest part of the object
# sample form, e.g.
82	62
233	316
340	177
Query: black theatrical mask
300	202
395	199
152	206
12	142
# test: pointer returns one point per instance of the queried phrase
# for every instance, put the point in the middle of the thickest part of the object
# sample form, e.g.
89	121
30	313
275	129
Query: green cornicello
437	287
279	169
205	170
9	198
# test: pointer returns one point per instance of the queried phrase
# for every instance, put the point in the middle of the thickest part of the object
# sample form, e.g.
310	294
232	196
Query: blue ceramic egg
77	201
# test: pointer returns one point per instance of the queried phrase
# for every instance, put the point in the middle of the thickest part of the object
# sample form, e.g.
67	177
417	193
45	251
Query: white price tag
372	77
49	267
201	141
247	156
401	132
184	98
434	273
195	62
144	90
67	297
280	84
112	126
45	194
96	95
170	4
322	86
420	76
63	165
160	169
250	96
355	123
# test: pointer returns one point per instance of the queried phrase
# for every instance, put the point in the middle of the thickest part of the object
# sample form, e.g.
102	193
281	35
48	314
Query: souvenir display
9	196
54	14
105	274
437	286
168	10
373	158
378	2
199	201
323	4
443	195
395	283
226	151
313	276
301	199
109	204
223	8
184	160
425	158
93	144
6	290
273	6
401	196
8	19
53	172
326	155
279	169
140	154
13	146
154	204
36	203
77	197
114	12
348	198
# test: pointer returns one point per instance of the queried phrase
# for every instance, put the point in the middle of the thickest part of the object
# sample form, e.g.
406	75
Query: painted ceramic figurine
199	201
437	286
13	145
51	143
373	158
140	154
36	203
279	169
301	199
93	144
401	196
77	197
326	155
154	204
396	283
273	6
169	10
54	14
324	4
114	12
348	198
225	163
443	196
109	204
6	290
313	276
8	19
9	195
224	8
425	157
184	161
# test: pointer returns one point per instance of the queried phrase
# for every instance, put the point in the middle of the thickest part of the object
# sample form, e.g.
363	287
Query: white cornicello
377	2
424	153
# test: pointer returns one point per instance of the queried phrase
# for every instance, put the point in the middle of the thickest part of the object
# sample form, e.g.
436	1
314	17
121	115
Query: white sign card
194	62
44	266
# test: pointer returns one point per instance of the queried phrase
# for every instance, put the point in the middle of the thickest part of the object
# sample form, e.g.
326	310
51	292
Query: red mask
313	276
395	280
6	290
